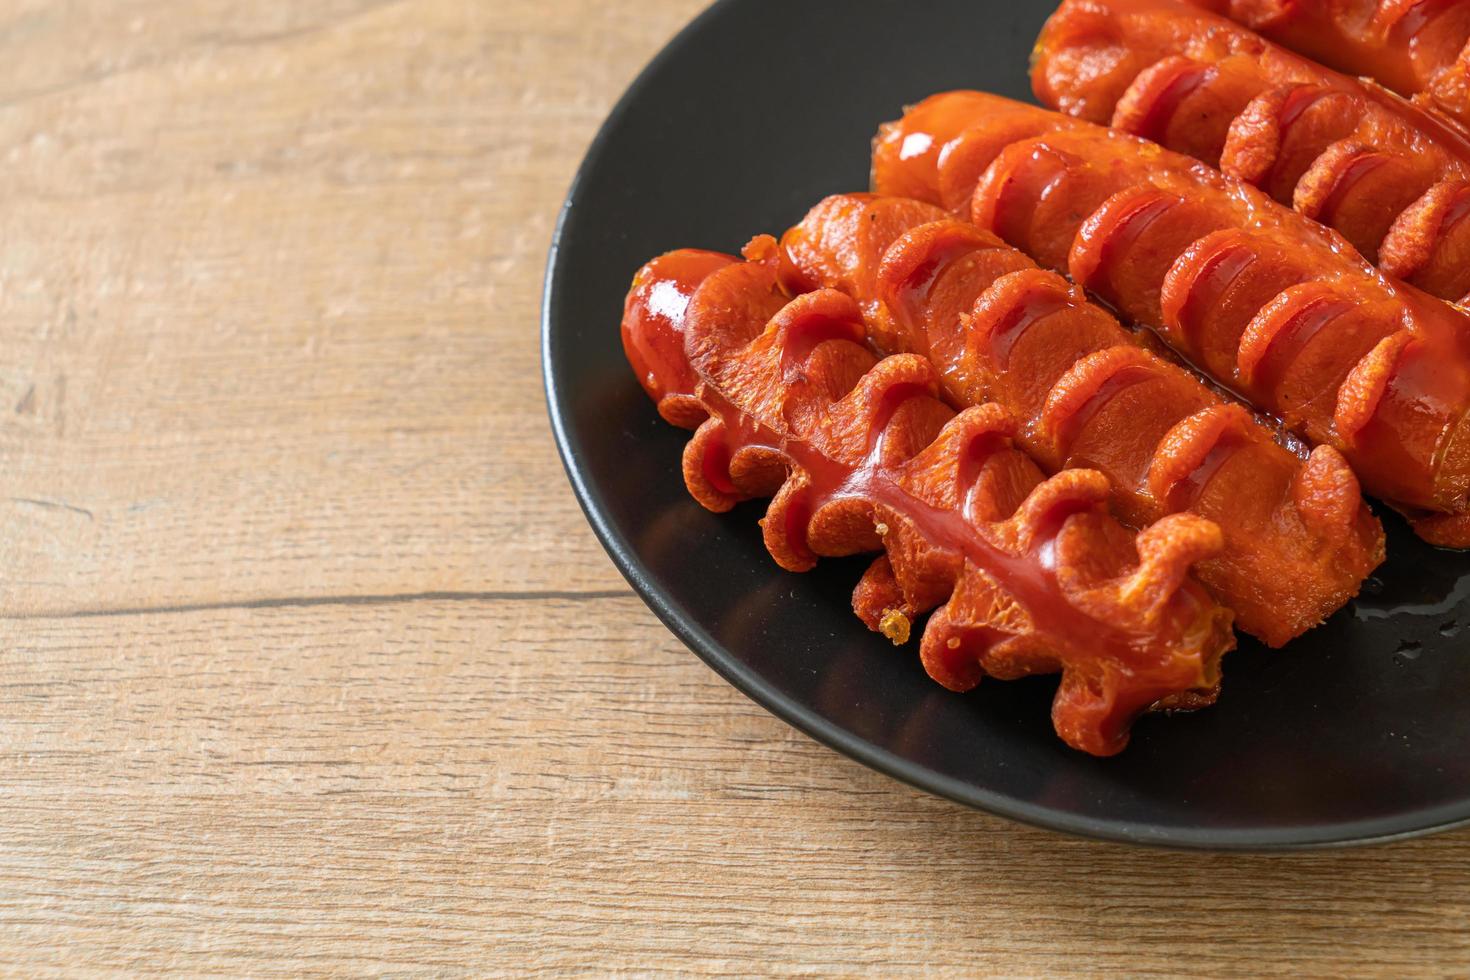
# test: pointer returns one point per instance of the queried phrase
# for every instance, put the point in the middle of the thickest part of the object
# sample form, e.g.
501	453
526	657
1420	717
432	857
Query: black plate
1357	732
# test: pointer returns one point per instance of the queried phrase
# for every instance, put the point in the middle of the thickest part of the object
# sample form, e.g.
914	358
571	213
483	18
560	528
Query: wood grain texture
308	662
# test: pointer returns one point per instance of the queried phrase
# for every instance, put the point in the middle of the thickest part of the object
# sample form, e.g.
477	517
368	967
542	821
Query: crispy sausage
1418	48
1388	175
1268	303
1026	575
1299	540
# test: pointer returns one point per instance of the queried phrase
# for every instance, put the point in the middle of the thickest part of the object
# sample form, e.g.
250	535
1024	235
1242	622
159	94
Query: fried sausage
1418	48
1025	575
1299	540
1386	174
1270	304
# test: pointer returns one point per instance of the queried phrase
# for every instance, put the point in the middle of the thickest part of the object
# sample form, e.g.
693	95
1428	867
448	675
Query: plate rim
749	682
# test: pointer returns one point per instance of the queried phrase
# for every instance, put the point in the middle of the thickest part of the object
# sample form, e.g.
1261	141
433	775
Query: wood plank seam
297	602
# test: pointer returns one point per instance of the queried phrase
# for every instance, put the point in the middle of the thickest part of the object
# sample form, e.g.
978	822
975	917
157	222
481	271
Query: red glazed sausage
1418	48
1299	539
1267	302
1026	575
1386	174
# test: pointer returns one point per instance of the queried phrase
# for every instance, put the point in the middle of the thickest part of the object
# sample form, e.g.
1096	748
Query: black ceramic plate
1356	732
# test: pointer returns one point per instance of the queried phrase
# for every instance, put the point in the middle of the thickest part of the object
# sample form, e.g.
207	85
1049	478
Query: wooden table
310	662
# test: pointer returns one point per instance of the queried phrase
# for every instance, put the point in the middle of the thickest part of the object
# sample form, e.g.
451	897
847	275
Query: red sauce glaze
652	328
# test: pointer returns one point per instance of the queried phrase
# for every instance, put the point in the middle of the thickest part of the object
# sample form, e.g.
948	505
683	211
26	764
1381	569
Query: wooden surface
309	661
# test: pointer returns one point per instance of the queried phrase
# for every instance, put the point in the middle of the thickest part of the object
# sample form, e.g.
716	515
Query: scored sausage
1026	575
1267	302
1298	538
